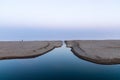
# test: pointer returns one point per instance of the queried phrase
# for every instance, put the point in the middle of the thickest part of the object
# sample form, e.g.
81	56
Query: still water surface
59	64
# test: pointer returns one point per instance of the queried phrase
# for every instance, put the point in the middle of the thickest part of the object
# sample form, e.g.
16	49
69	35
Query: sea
58	64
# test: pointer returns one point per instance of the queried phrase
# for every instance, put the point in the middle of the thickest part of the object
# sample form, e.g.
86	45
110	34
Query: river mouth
57	64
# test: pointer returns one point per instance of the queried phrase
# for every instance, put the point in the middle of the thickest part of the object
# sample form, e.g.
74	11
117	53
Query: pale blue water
59	64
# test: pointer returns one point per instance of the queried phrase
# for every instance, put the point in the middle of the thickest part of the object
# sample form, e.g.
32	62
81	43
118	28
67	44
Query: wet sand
26	49
96	51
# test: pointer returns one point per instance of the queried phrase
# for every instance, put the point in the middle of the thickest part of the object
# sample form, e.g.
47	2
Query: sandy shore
96	51
26	49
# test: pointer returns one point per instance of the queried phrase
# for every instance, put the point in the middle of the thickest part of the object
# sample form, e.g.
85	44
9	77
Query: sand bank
26	49
96	51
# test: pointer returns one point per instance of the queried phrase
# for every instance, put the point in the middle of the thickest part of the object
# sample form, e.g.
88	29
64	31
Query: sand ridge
26	49
96	51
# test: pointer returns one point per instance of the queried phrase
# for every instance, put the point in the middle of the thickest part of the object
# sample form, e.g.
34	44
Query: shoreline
90	50
26	49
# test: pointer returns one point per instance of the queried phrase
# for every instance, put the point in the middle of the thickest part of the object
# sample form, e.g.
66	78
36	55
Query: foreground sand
26	49
96	51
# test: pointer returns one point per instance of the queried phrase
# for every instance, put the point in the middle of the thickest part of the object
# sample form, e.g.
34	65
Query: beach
26	49
96	51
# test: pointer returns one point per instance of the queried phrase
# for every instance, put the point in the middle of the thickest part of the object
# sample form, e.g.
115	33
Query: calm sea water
59	64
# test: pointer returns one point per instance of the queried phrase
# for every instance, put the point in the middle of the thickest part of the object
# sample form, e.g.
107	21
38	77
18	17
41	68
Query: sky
59	19
60	13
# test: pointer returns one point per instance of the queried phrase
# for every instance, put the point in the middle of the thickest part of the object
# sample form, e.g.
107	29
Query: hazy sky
60	13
